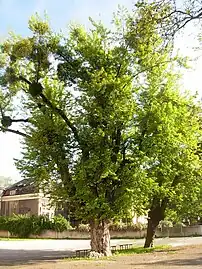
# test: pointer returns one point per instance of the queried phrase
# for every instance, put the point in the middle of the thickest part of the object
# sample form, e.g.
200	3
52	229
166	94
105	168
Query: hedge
23	226
119	227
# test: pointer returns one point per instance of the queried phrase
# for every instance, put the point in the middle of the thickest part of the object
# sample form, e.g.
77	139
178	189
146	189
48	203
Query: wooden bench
125	246
84	252
113	248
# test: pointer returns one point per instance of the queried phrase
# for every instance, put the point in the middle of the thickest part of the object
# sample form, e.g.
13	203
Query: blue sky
14	15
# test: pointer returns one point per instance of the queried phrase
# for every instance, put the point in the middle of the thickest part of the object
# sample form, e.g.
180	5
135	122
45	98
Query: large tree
77	93
167	122
169	132
83	101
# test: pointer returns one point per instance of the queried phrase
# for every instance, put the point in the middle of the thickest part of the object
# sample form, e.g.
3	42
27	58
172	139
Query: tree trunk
151	229
156	214
100	237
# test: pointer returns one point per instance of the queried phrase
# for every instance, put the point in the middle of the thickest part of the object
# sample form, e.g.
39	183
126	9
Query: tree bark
100	237
151	229
156	214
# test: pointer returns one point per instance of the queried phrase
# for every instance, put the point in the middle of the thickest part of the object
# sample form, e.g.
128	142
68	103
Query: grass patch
111	258
141	250
131	251
12	239
24	239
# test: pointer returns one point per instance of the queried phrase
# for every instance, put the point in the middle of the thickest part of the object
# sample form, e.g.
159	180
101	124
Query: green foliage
23	226
128	227
123	138
60	224
116	227
141	250
165	224
83	227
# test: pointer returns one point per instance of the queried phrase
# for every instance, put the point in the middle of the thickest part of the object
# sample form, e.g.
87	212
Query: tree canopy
105	127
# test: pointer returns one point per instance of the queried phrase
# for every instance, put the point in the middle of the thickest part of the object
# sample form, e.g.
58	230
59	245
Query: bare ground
189	257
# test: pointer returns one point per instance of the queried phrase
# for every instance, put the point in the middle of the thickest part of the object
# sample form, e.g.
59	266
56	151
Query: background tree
169	133
5	181
179	14
167	121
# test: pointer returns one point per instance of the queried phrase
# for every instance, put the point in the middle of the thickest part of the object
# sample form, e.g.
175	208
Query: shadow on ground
175	262
180	262
9	257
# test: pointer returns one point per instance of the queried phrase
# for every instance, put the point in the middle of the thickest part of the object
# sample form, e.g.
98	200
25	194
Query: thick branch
57	110
20	120
13	131
117	144
25	80
63	116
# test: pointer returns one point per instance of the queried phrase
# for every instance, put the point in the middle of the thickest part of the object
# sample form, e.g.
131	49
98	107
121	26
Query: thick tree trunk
151	229
156	214
100	237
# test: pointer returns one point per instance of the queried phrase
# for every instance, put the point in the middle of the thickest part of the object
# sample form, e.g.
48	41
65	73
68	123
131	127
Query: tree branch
116	146
151	67
13	131
63	116
20	120
25	80
57	110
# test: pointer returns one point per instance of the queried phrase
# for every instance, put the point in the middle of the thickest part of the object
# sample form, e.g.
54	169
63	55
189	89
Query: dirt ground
175	258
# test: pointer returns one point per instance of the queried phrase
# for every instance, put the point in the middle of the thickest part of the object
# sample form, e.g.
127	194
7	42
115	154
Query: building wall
44	207
29	207
29	204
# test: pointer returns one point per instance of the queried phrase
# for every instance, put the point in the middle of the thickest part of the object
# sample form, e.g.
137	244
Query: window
13	192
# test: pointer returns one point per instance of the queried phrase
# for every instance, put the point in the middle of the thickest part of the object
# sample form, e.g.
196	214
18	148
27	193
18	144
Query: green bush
165	224
60	224
179	225
127	227
3	223
23	226
83	227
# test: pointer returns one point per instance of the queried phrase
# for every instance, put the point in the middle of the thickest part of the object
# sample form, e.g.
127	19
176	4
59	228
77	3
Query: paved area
25	251
186	257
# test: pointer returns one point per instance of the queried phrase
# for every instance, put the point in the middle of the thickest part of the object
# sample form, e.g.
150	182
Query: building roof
24	186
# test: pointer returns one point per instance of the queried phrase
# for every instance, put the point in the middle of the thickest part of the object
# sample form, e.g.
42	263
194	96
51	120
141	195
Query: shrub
127	227
3	223
23	226
60	224
165	224
83	227
179	225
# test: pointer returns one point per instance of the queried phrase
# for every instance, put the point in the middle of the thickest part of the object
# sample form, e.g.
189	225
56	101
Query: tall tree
168	122
82	96
180	13
169	134
78	95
